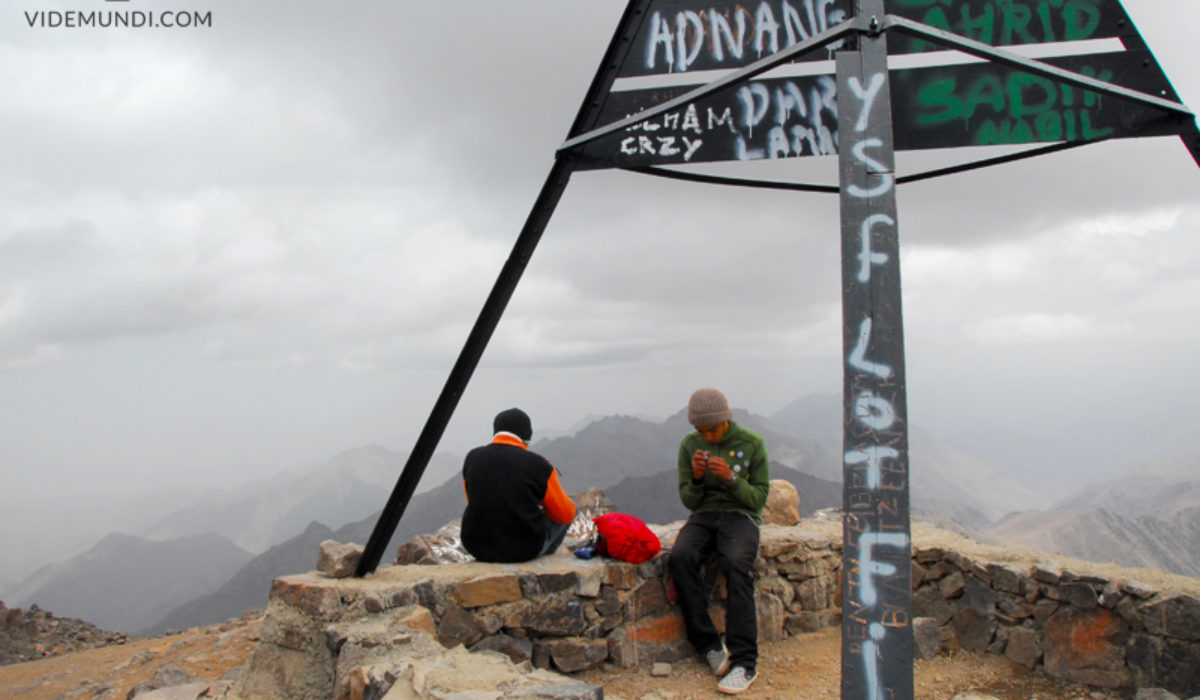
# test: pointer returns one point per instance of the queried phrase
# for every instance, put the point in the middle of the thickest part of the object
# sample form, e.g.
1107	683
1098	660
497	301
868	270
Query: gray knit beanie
708	407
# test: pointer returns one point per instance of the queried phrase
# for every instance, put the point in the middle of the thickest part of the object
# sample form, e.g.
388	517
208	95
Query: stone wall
356	638
1071	623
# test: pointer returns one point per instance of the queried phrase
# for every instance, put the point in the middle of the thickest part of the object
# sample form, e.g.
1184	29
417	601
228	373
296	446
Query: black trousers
733	537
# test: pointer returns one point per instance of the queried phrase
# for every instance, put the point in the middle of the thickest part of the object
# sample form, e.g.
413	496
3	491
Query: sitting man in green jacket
723	480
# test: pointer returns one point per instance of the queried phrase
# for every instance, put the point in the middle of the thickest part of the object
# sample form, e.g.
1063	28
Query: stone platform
405	631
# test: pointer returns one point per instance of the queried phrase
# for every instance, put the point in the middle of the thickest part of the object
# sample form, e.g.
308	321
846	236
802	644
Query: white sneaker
738	680
718	660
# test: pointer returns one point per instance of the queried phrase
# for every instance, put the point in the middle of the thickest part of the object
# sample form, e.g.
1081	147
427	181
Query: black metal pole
877	542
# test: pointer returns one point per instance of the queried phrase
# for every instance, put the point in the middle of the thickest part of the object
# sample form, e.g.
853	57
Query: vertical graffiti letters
875	461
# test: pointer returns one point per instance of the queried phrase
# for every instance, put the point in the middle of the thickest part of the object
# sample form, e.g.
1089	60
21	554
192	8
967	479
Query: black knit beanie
513	420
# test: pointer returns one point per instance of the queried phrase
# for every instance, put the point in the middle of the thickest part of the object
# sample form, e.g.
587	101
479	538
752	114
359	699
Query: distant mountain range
634	461
139	585
1148	520
250	586
805	436
126	583
274	510
653	498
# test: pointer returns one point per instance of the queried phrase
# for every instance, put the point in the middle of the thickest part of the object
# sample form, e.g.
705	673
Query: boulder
488	590
927	638
650	639
459	626
783	504
518	649
441	547
457	673
1087	645
1176	616
973	630
1023	647
576	653
337	560
165	677
1163	662
770	617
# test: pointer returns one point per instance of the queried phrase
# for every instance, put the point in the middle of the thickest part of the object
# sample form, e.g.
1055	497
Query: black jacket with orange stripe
510	492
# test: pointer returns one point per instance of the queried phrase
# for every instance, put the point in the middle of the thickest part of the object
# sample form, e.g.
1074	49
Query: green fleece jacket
747	457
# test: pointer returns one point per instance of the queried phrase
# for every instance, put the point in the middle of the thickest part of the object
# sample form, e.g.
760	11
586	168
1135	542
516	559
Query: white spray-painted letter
660	33
866	258
870	656
874	167
859	353
687	54
868	568
873	456
874	412
765	25
756	99
722	35
691	120
867	97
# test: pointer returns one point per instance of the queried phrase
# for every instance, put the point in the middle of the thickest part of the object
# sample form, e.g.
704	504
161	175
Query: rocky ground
798	667
111	672
26	635
808	667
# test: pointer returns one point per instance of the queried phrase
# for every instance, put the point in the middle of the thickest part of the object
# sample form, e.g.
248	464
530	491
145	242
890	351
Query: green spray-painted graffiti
1005	22
1013	108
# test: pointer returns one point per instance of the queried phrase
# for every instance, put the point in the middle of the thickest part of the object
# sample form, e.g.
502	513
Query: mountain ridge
249	587
125	583
275	509
633	460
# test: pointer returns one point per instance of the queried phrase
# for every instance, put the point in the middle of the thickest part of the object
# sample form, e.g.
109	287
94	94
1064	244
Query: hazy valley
211	561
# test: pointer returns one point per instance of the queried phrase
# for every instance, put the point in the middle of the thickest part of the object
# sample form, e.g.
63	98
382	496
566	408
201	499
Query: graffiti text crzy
764	119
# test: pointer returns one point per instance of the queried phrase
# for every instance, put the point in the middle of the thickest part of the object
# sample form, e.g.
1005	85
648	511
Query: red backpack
625	537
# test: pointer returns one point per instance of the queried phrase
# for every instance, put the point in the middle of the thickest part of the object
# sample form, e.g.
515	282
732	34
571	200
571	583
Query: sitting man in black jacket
516	508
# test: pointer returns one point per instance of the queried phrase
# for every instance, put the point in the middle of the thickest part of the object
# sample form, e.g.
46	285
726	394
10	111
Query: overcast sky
227	251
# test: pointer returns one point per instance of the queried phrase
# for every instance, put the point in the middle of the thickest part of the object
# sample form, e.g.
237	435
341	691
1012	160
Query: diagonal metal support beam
834	189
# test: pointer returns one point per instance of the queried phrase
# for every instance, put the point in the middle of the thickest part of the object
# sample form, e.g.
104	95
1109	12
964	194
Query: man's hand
720	467
699	465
